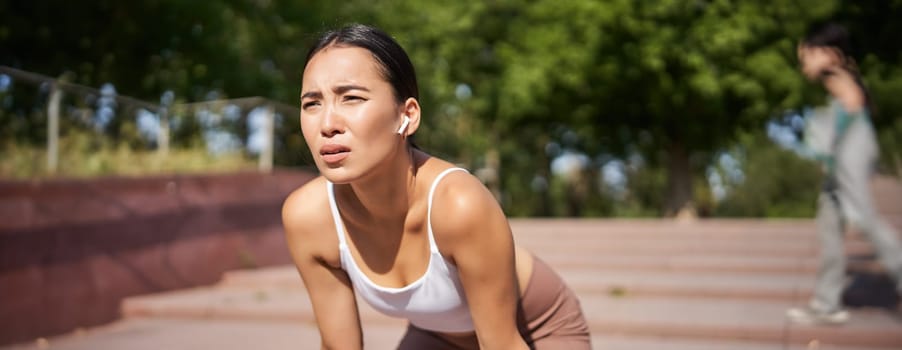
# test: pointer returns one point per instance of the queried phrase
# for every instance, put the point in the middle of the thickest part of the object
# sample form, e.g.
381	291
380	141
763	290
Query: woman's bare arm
470	226
311	237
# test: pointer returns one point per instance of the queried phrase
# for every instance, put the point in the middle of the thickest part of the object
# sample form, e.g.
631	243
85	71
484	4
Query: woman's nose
332	123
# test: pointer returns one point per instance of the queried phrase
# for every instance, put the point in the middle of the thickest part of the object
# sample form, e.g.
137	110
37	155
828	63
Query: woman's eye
307	105
353	98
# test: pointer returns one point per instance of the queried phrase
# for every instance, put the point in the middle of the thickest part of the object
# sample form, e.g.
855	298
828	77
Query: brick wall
71	250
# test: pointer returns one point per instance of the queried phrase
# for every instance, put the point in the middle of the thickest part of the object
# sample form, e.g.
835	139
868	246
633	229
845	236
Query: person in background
824	55
410	234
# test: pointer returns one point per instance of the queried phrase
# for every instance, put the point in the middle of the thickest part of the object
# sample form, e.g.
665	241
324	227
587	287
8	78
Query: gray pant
847	200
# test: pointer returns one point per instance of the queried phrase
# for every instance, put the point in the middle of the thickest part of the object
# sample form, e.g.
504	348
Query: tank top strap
336	216
432	246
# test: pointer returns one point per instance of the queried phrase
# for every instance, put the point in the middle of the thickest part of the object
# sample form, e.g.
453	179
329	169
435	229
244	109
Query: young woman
845	197
410	234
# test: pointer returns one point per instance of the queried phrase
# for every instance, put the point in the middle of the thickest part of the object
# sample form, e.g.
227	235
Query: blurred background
564	108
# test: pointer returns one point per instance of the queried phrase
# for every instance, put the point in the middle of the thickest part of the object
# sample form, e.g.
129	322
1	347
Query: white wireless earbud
404	125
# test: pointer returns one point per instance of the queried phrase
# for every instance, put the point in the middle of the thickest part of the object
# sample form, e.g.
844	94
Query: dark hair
394	63
829	34
834	35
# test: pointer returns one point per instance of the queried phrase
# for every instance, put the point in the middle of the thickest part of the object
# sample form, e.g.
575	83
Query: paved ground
643	285
656	284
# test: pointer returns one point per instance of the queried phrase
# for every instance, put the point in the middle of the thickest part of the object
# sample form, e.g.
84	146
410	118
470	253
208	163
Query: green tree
761	192
197	50
682	79
671	80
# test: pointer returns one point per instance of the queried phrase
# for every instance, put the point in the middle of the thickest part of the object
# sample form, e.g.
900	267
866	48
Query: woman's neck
386	195
845	88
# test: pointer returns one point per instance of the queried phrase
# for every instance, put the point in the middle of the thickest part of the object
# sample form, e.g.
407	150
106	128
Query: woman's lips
334	154
335	158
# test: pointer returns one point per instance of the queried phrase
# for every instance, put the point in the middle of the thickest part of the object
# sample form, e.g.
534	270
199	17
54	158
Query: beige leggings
548	315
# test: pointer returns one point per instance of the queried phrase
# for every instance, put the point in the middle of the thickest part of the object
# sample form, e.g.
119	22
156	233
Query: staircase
643	284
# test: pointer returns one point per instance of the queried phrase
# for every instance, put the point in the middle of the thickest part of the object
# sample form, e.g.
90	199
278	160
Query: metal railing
59	87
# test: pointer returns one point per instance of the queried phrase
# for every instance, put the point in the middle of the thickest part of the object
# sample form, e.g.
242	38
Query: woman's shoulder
456	183
307	220
306	207
430	167
461	204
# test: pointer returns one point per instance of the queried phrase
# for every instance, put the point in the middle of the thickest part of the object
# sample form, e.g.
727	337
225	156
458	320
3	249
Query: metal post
163	133
53	128
266	153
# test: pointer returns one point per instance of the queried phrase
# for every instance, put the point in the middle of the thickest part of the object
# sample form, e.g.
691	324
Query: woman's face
815	60
349	114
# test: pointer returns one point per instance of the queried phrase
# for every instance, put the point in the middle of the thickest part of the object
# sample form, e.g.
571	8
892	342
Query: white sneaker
810	316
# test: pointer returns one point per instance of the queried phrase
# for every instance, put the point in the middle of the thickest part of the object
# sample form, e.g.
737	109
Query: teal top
843	121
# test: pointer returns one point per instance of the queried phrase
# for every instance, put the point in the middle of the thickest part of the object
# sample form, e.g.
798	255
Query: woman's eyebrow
345	88
312	94
338	90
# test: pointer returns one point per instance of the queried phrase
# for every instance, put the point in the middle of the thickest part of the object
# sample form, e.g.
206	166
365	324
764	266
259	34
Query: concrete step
699	231
625	322
708	228
594	244
670	247
887	192
189	334
643	285
749	320
736	264
634	342
248	303
590	282
192	334
745	319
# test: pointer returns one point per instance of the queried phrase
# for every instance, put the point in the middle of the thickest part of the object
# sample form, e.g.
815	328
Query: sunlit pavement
643	284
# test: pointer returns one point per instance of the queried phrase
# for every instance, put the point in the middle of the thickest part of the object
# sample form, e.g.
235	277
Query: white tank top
435	301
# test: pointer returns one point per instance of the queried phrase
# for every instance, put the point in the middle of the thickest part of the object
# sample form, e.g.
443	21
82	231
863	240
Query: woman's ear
411	109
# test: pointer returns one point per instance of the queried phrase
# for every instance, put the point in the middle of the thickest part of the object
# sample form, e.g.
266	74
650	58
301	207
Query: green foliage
672	81
763	192
611	71
229	48
885	83
891	148
644	189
